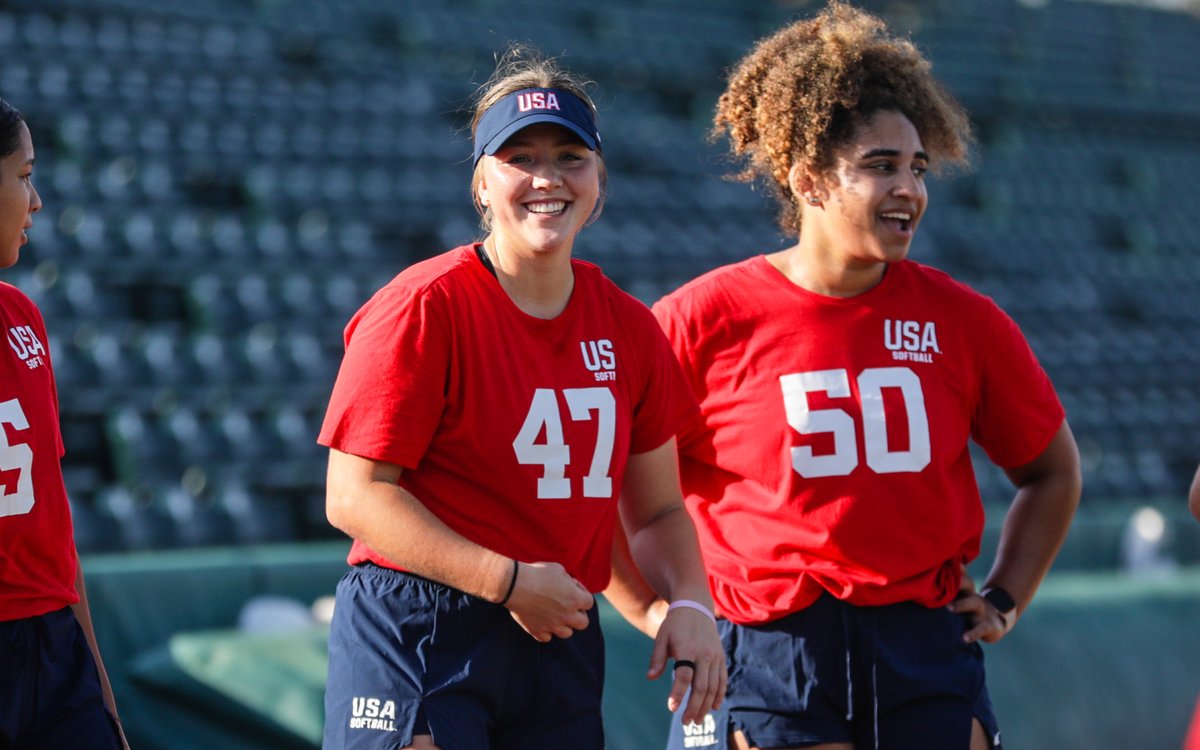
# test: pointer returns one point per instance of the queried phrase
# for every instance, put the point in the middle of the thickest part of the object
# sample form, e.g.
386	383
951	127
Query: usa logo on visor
537	100
521	109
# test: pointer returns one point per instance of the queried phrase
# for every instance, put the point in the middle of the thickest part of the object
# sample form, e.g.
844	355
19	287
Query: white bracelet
689	604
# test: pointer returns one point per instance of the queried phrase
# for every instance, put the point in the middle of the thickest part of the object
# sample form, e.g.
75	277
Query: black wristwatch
1002	601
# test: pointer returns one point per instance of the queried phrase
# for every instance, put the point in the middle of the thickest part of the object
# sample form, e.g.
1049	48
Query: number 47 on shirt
553	454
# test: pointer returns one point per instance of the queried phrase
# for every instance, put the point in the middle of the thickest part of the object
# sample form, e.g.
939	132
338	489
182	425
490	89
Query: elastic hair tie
689	604
511	584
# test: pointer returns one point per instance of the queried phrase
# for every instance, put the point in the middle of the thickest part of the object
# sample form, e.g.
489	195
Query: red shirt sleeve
1018	410
668	405
389	394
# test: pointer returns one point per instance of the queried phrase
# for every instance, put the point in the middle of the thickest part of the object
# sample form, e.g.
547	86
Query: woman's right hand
547	602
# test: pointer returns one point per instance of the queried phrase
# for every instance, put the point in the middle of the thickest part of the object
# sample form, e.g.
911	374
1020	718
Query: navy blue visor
526	107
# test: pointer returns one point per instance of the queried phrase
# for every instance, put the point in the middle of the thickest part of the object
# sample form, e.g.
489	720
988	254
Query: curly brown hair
800	93
524	67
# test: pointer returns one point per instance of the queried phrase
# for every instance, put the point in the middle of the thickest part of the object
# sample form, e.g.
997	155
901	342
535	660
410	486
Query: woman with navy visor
498	408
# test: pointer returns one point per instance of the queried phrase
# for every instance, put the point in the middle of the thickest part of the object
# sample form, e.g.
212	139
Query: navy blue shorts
50	694
895	678
409	656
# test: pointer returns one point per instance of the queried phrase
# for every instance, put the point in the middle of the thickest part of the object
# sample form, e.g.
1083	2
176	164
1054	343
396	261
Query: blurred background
226	181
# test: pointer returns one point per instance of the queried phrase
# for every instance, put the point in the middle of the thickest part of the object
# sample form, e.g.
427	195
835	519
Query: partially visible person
1193	737
830	476
1194	495
500	409
54	691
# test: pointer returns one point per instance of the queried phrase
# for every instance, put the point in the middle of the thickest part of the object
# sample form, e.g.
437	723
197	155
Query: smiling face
870	201
19	201
541	187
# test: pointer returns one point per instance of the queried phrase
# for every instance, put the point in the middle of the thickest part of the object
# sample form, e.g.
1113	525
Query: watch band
1000	599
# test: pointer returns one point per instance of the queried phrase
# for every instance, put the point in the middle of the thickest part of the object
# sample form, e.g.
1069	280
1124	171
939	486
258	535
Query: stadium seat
96	530
199	520
258	517
142	524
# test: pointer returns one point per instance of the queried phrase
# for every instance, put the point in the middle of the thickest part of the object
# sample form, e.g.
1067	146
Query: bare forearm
1038	520
1033	533
663	544
395	524
668	555
1194	496
365	500
83	614
662	539
629	593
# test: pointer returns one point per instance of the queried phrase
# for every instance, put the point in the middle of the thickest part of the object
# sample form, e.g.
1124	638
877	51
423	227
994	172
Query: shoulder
447	268
935	284
589	276
420	296
980	323
14	299
718	288
432	277
590	279
13	295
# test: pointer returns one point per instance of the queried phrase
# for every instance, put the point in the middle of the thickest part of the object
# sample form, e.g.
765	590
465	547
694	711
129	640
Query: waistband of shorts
375	569
53	616
46	629
384	575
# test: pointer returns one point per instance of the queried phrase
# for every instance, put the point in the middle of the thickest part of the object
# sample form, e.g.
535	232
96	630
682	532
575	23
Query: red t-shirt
37	544
832	451
514	431
1192	741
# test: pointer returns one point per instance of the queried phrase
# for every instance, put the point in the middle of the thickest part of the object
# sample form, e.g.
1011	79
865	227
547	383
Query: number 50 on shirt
842	425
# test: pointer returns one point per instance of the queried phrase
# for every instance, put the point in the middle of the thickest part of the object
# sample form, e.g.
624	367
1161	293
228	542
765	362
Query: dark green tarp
1102	660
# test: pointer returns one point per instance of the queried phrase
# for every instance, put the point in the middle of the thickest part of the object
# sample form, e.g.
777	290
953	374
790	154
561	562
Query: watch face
1000	599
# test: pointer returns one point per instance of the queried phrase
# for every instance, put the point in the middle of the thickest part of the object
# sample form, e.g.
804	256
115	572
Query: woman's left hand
987	623
689	635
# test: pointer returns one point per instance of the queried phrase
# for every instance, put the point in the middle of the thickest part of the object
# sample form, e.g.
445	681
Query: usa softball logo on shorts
701	734
373	713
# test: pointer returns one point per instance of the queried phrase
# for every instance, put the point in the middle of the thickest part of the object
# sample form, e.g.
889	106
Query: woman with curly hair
840	383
